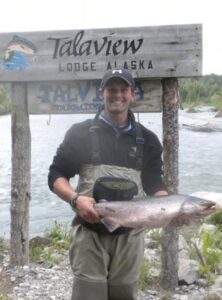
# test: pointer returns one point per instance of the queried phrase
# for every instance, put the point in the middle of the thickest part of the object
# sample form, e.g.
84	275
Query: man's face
117	96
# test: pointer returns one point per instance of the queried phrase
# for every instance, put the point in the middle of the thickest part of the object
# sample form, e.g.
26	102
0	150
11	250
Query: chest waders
105	266
91	174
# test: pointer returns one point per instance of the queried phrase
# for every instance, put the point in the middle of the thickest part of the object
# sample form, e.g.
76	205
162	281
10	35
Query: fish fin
111	226
102	201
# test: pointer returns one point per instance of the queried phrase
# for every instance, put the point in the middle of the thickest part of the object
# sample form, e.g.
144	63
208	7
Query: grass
35	252
155	235
209	253
45	256
216	218
59	235
145	277
204	247
60	241
2	245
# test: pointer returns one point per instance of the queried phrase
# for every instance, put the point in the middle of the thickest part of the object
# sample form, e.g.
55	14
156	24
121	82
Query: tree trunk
169	272
20	185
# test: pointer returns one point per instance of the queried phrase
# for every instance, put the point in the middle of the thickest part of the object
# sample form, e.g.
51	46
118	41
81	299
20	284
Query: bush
60	240
59	235
209	253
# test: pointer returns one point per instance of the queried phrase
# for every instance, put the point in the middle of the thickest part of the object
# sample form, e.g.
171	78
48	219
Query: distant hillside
206	90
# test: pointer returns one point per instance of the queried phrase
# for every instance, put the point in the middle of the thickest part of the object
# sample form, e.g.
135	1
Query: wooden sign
149	52
84	97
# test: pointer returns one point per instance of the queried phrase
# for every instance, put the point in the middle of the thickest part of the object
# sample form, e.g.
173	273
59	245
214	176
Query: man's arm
84	204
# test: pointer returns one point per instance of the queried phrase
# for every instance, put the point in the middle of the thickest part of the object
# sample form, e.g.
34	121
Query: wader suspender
96	158
96	155
139	146
95	150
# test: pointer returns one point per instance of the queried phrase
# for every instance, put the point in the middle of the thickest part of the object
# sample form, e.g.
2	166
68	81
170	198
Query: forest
205	90
193	92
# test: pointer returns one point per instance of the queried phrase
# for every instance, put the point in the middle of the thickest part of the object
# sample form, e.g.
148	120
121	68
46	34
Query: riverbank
43	280
36	281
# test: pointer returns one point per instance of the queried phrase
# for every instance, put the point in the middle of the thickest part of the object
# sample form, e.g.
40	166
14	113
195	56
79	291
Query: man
106	266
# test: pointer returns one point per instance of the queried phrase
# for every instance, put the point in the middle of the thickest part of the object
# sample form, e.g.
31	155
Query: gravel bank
38	282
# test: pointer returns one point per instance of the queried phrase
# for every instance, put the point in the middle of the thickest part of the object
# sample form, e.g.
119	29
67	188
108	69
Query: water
200	163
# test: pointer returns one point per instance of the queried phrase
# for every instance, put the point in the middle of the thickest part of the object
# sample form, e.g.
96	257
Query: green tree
205	90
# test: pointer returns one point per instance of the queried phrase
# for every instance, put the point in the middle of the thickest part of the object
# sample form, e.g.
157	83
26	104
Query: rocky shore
36	281
54	282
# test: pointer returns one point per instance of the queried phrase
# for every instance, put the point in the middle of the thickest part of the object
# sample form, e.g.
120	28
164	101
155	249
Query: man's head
121	74
118	91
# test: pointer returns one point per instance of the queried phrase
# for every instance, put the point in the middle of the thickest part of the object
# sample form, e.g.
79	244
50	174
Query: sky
43	15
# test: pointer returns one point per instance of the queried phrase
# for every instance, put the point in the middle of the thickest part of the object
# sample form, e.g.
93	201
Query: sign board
84	97
149	52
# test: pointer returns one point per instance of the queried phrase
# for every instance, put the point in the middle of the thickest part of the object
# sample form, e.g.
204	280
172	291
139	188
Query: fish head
198	206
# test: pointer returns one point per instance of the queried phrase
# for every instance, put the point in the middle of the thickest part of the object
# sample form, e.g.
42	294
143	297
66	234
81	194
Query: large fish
154	212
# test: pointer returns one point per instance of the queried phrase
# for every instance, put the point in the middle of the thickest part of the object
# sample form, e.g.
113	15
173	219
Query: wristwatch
73	201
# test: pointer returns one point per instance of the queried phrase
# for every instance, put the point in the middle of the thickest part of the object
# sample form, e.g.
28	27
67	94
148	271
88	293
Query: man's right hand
84	204
85	209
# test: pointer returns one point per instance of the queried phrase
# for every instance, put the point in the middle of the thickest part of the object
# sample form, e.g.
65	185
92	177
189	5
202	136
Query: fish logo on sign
15	57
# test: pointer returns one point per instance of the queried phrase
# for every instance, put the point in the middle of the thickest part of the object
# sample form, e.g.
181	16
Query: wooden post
169	272
21	170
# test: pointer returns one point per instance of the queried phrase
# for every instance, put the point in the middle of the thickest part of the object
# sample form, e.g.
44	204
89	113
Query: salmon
143	213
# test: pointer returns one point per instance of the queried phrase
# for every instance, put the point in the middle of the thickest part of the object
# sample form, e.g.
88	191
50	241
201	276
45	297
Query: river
200	163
